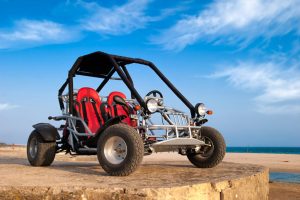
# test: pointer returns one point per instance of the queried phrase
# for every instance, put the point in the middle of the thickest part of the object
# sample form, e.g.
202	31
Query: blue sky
239	57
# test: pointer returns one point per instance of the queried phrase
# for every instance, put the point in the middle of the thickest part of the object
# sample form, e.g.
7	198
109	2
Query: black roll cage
114	64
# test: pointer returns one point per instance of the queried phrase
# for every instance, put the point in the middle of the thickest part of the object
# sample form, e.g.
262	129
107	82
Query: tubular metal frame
119	65
177	130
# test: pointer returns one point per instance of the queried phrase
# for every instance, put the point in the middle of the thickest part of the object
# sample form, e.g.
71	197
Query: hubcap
115	150
33	147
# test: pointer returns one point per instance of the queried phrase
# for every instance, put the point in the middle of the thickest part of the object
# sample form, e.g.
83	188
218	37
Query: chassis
119	146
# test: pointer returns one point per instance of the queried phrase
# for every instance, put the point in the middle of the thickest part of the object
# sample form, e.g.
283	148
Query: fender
48	132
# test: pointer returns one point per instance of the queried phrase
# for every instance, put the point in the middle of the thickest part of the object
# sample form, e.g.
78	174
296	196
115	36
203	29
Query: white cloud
277	88
278	109
30	33
234	21
117	20
7	106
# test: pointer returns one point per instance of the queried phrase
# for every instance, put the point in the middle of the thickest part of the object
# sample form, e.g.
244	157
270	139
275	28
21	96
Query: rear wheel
120	150
40	153
213	153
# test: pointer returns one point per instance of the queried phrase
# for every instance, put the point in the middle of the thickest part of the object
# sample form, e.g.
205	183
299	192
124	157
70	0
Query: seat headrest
87	92
119	100
118	97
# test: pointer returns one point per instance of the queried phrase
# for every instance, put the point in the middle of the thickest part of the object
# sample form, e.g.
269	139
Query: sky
241	58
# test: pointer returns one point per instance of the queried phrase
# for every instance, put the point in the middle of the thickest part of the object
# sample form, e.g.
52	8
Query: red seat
88	105
117	109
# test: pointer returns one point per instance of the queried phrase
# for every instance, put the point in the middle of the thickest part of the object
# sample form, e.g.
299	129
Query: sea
274	176
275	150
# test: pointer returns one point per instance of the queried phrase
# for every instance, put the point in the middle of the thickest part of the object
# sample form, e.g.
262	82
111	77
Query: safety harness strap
77	105
83	104
103	111
96	111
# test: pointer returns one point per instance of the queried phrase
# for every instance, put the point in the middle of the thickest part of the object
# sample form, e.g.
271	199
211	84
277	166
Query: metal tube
128	84
190	132
162	77
78	134
127	74
103	83
174	89
157	127
176	119
71	100
129	78
60	91
70	80
96	76
113	59
167	118
167	133
182	120
176	131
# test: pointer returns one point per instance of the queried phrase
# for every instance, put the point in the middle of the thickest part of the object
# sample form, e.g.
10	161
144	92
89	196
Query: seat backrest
117	106
88	105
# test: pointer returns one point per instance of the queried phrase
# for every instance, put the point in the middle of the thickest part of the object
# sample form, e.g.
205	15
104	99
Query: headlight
201	109
152	105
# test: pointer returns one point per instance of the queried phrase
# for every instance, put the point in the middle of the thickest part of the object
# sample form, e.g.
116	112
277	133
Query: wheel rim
115	150
33	147
209	148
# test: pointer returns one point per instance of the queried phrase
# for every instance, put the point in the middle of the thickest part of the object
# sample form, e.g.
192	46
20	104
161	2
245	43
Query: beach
276	163
15	157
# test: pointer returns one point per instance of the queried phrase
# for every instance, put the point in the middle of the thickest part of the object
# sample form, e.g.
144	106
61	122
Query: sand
275	162
284	191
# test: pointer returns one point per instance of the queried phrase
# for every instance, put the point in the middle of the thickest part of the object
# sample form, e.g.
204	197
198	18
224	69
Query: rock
163	178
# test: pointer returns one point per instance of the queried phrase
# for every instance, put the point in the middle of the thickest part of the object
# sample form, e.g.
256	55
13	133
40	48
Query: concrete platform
161	176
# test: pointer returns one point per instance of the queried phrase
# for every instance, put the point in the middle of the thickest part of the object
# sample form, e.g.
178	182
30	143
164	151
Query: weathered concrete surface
161	176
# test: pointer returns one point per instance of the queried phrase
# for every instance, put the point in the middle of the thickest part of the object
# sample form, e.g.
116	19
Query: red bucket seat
117	106
87	106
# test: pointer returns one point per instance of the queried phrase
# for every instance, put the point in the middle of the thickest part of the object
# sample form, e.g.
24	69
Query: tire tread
46	151
133	163
220	147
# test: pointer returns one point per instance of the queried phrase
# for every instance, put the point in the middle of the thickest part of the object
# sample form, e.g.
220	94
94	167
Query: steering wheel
154	93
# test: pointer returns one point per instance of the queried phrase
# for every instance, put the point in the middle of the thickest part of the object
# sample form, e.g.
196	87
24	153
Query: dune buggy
120	130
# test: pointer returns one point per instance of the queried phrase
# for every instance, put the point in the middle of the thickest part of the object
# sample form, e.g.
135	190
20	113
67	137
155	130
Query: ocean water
274	176
275	150
285	177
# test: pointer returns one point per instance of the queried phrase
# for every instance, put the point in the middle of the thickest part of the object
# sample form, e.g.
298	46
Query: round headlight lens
201	109
152	105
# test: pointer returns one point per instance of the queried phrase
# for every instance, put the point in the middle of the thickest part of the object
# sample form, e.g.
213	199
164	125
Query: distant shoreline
259	150
264	150
12	145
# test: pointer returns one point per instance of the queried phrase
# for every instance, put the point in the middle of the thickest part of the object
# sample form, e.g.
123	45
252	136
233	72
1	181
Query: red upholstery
117	109
87	96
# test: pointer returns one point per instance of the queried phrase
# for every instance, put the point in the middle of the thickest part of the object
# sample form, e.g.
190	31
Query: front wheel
213	153
40	153
120	150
